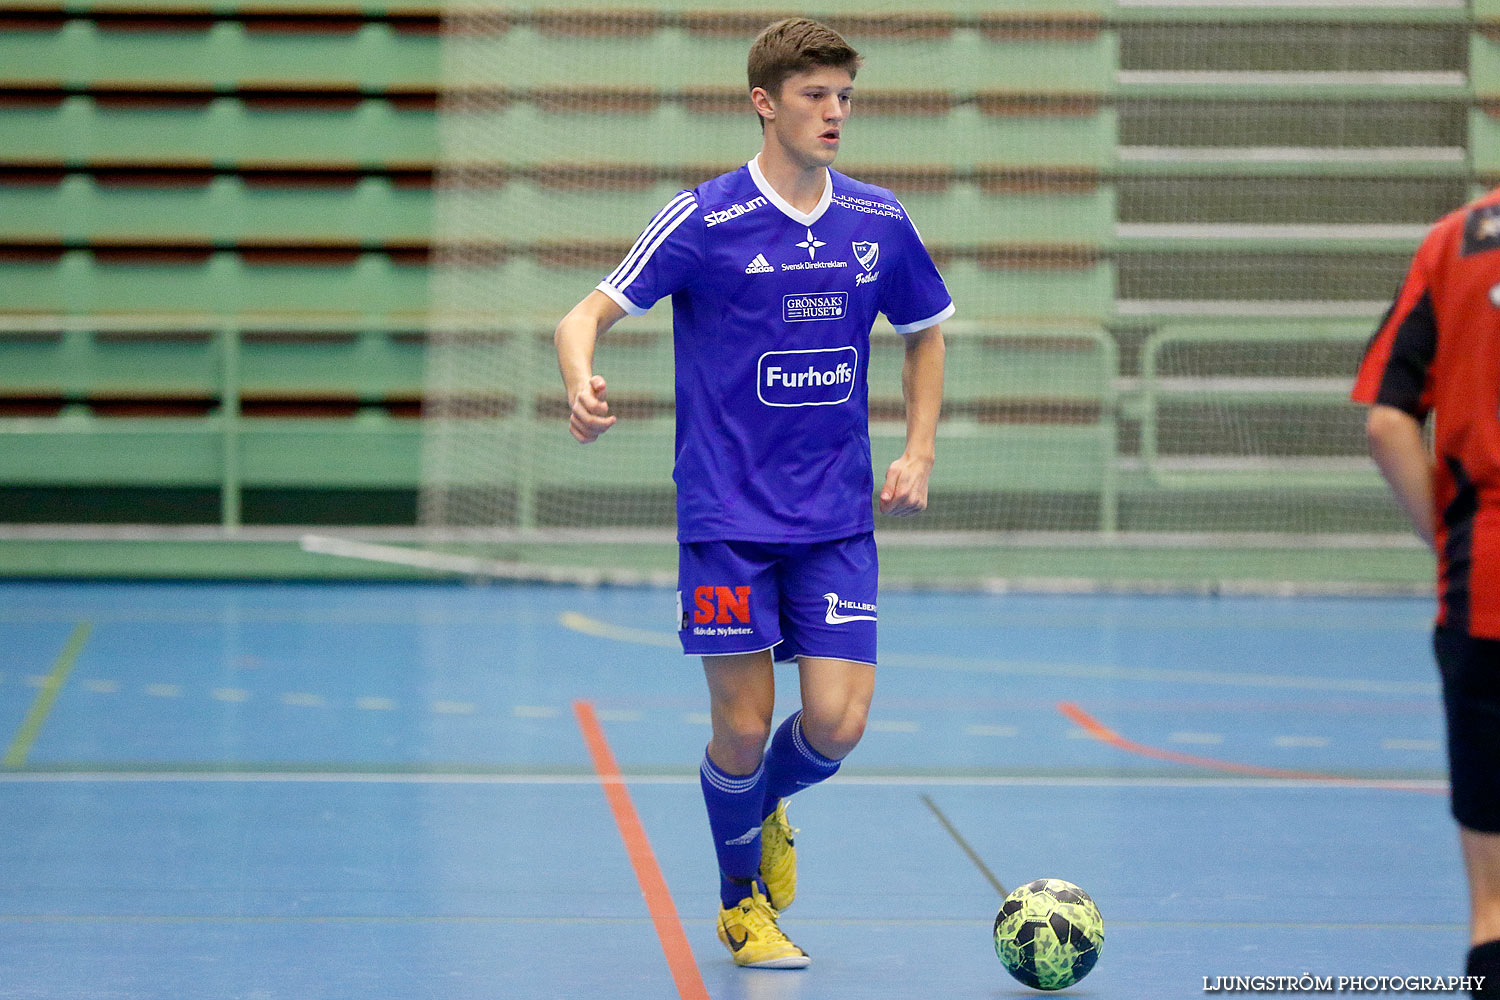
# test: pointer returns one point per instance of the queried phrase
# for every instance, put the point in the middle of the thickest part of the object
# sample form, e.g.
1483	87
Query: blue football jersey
771	317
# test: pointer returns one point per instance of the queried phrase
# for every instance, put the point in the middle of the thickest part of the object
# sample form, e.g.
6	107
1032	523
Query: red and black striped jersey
1437	351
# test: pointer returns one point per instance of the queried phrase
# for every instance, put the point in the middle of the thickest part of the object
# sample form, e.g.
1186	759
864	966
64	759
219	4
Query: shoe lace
759	917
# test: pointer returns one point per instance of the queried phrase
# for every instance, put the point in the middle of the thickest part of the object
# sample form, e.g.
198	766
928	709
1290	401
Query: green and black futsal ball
1048	934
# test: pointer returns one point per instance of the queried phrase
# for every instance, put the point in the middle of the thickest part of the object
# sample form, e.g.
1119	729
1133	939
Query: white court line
981	729
892	726
580	622
879	781
1157	675
618	715
1302	741
1395	744
1197	739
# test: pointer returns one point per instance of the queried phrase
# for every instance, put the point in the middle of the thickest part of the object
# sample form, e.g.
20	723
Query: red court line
674	942
1104	734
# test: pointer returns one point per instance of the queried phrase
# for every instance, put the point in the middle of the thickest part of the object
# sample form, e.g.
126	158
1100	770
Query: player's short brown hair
796	45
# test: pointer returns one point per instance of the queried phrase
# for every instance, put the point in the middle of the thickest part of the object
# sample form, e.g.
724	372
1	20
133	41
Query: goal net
1169	231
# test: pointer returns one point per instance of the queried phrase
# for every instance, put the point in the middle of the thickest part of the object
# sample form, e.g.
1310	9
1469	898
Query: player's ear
764	104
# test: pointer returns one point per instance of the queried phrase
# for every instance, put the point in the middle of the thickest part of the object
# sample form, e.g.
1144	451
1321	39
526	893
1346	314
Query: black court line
963	844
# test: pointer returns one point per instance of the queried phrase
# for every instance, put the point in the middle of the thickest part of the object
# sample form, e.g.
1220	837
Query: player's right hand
589	412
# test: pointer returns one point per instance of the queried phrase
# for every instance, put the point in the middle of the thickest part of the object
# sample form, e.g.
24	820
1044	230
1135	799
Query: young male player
1438	352
776	272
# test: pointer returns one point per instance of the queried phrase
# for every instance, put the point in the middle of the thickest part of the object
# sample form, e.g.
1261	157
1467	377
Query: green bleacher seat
637	360
224	54
1337	198
968	61
80	282
82	208
394	9
79	450
119	395
368	365
1026	408
227	131
1097	100
634	453
544	213
77	366
961	214
1075	290
964	214
1484	138
1224	405
173	361
666	59
1068	292
965	138
671	58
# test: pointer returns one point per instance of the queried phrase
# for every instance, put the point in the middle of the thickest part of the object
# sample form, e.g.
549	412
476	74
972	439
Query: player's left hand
905	489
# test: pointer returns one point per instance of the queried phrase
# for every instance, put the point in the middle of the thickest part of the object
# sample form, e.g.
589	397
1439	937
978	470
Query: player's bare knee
835	733
739	741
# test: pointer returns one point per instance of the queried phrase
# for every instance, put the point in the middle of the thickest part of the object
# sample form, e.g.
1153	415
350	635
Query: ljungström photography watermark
1308	983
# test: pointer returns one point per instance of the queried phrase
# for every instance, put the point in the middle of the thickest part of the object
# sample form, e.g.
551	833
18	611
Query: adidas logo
759	265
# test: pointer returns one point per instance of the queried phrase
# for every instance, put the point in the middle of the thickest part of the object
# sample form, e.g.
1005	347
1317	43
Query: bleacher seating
250	185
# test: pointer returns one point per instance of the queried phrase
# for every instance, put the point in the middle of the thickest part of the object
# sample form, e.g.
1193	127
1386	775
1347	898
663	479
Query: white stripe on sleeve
681	214
923	324
621	299
660	219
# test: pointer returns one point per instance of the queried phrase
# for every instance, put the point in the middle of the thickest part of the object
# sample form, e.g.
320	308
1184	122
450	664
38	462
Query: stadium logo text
812	307
733	211
822	377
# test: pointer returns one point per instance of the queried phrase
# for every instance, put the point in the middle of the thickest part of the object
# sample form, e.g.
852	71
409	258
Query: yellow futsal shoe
750	933
778	858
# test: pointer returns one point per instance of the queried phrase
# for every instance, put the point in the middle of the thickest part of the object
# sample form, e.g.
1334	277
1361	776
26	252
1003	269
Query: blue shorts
802	599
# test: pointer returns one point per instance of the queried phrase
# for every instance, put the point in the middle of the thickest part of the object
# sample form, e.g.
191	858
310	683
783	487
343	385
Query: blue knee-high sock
792	764
734	817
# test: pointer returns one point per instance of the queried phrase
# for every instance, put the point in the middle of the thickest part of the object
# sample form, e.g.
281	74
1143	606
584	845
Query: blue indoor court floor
310	791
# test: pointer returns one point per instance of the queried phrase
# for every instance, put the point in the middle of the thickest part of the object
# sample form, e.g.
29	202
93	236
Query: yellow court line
620	633
52	685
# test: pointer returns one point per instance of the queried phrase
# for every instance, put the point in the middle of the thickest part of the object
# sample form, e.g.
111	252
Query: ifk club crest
868	254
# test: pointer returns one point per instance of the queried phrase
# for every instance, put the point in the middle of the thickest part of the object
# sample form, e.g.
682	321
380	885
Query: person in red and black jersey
1437	352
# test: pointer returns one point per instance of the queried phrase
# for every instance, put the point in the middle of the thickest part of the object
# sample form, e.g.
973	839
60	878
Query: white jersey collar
805	218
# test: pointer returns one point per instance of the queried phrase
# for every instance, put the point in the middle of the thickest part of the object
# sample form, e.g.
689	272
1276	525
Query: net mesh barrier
1169	231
